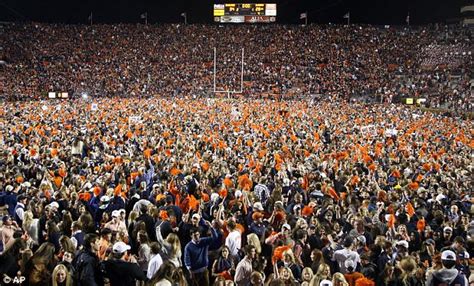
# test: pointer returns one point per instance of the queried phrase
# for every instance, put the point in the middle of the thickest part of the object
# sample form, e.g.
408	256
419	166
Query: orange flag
333	194
278	253
391	221
410	209
420	225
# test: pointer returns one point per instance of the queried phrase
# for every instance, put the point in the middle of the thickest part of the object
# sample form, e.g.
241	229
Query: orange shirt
103	246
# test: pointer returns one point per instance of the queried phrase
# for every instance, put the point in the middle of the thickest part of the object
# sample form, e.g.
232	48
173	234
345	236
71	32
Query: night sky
381	12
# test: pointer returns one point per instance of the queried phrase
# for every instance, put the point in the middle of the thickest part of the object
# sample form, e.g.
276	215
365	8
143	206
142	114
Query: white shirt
234	242
154	265
73	239
344	254
243	271
20	212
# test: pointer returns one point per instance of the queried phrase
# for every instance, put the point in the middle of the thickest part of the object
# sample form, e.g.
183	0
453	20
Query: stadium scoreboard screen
245	13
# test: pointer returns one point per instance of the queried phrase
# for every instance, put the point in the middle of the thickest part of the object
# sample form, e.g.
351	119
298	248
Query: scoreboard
245	13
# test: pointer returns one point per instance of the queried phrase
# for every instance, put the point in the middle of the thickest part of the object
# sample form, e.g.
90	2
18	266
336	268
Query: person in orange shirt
104	243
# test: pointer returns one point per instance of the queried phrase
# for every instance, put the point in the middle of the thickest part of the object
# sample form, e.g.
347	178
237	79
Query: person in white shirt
155	262
244	268
340	256
234	239
20	209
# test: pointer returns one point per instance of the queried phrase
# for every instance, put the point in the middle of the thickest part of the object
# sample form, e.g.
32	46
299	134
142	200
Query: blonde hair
56	270
175	244
132	217
289	253
339	277
322	267
307	269
27	220
252	239
319	274
408	267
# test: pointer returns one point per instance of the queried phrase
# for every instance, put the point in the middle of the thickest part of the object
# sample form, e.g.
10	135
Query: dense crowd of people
279	61
183	191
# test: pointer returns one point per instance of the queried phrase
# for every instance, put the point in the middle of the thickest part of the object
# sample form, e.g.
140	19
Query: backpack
458	281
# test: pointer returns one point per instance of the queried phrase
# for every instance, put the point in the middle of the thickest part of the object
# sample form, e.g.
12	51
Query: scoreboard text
244	12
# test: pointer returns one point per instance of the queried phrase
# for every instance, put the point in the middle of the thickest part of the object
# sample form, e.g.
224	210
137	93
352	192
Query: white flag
303	15
183	14
143	16
408	19
347	15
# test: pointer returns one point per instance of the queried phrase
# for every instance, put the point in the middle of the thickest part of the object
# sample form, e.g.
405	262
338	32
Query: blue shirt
196	256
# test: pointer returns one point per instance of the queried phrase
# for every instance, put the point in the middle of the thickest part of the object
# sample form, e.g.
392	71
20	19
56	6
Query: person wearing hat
120	269
10	199
361	246
448	275
402	249
447	237
428	250
185	227
256	207
352	275
116	224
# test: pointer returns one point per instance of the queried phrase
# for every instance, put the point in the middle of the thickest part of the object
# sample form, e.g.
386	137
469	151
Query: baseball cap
120	247
448	229
403	243
448	255
463	255
196	216
258	206
215	197
325	283
430	241
116	213
287	226
349	264
362	239
54	205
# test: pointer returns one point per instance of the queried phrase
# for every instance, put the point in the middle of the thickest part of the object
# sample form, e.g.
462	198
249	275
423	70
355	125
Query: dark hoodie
450	276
